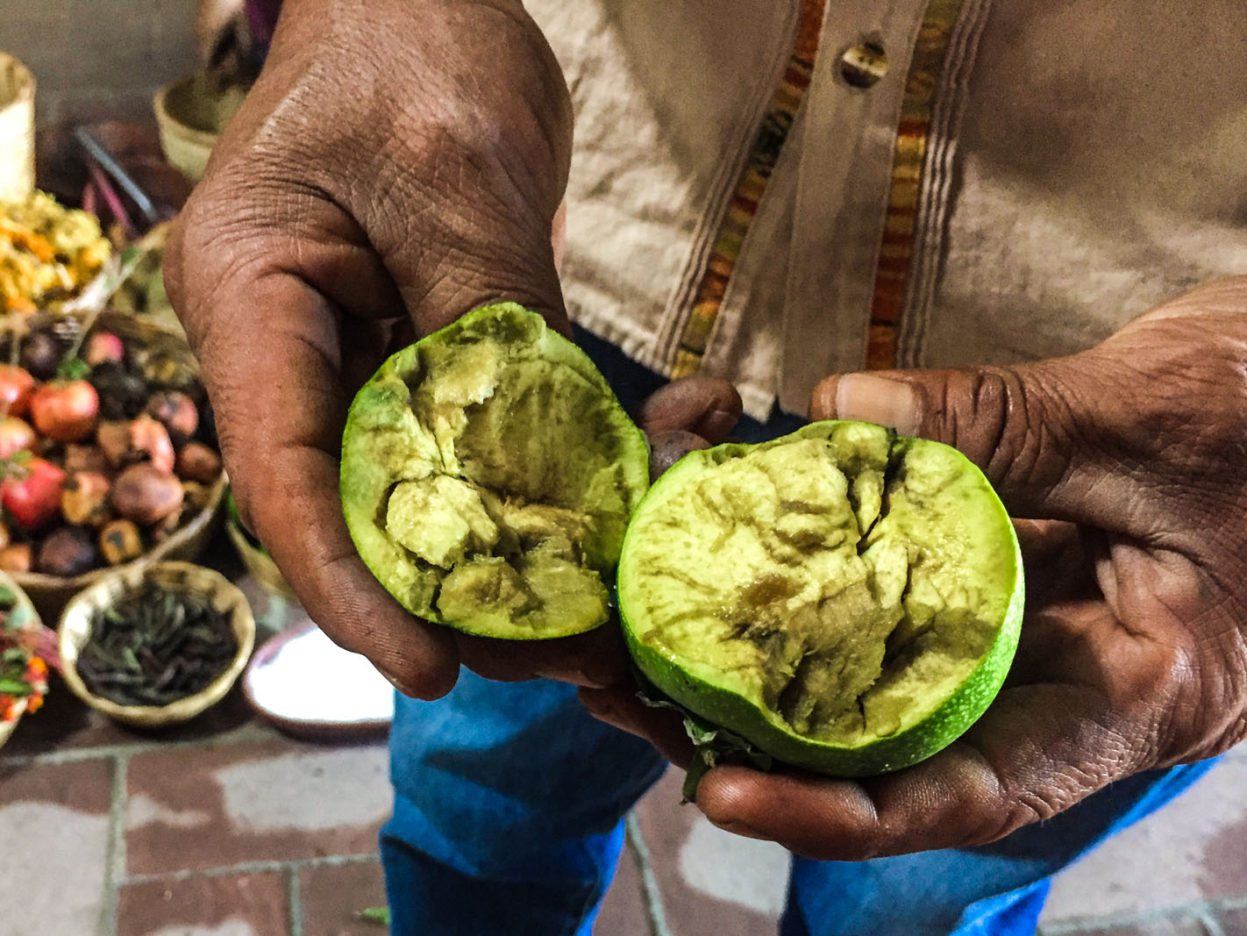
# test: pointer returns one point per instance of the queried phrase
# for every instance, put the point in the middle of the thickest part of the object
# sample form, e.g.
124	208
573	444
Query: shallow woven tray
75	629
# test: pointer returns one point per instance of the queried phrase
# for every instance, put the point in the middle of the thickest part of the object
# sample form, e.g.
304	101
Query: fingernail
881	400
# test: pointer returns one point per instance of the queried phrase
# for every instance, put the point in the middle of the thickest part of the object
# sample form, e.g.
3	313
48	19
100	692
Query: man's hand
1129	463
398	163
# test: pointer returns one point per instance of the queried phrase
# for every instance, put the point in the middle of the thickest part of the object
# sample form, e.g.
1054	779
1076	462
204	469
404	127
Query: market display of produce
108	452
48	253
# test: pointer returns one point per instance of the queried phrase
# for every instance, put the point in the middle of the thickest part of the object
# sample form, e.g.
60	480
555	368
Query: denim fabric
509	802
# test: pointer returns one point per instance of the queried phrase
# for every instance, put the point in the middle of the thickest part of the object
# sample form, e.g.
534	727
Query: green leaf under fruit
712	745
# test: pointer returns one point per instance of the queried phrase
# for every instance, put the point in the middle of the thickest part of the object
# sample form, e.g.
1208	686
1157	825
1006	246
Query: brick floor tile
276	800
712	883
623	911
65	723
1166	926
1233	922
54	830
1191	850
333	896
226	905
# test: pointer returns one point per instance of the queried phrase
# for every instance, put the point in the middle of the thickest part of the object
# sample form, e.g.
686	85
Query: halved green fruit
843	599
488	474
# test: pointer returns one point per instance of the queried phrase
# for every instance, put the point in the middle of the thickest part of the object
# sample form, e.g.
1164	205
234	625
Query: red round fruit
15	436
104	346
16	387
32	495
65	410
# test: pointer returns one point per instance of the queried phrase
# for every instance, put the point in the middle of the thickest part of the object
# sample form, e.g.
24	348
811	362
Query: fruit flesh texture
488	475
846	582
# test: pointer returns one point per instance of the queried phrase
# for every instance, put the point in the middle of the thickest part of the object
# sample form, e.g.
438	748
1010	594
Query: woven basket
20	600
50	592
17	130
75	630
190	114
259	563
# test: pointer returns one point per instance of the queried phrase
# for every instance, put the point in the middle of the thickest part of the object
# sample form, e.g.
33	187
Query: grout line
255	867
115	855
1210	924
650	890
248	733
296	901
1197	910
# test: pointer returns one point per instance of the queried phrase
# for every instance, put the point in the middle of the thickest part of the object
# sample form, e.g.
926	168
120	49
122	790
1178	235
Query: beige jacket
1022	179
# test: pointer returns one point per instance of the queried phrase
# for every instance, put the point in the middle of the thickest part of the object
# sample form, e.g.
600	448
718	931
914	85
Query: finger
269	351
662	728
706	406
1037	755
596	659
668	447
1021	425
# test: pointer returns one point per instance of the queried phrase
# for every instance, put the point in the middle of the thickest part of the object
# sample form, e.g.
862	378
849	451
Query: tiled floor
227	828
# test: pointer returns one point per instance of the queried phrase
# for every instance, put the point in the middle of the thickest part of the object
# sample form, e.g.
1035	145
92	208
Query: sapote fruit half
841	599
488	474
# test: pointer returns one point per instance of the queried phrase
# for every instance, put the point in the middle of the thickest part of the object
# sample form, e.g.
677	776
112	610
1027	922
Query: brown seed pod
149	439
85	458
146	495
68	551
176	411
16	558
197	496
84	498
198	462
121	541
113	439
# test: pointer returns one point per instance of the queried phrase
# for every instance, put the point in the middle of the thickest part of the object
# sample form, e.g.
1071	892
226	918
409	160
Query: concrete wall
96	59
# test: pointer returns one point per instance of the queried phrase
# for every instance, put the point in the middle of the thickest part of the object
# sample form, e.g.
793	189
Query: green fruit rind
379	448
697	687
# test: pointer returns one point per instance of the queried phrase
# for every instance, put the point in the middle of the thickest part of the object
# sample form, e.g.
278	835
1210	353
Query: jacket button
862	65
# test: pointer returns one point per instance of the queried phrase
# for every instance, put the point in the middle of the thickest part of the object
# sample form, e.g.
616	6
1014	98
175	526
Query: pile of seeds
156	646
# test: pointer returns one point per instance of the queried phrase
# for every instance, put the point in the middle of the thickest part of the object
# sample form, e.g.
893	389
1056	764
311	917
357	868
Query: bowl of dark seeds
157	645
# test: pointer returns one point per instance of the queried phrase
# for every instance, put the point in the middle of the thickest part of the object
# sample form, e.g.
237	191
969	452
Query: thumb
1018	424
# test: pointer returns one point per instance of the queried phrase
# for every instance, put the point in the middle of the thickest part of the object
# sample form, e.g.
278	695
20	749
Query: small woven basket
75	630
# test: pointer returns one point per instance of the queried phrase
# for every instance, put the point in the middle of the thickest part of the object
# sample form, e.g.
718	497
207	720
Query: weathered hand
398	163
1130	463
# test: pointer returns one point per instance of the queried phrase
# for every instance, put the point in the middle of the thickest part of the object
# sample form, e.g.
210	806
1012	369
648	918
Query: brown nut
196	496
114	441
150	439
176	411
146	495
67	552
197	462
121	541
17	558
84	498
5	537
85	458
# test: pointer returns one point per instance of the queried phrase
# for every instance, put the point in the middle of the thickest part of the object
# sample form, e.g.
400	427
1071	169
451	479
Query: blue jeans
509	801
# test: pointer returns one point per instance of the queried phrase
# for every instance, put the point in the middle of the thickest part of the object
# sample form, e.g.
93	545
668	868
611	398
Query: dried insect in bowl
155	646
